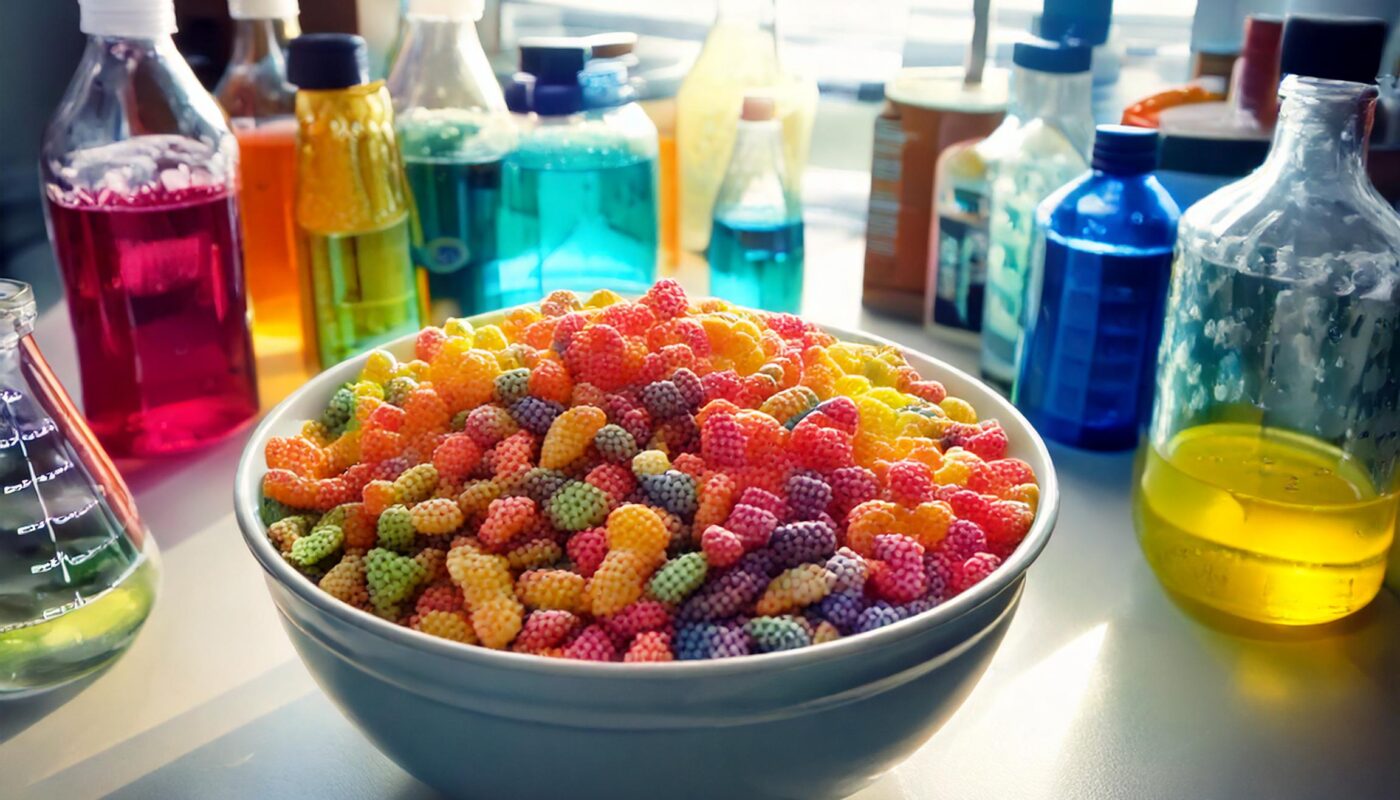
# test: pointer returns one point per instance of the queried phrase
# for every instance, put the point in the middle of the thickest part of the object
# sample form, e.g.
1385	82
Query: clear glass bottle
78	570
756	243
453	129
1048	149
1268	486
139	169
957	280
261	106
579	192
361	289
740	52
1097	292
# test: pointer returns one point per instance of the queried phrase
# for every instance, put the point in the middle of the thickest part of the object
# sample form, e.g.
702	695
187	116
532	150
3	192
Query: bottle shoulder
1133	211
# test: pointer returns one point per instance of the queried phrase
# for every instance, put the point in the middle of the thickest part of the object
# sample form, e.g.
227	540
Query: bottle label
885	174
961	275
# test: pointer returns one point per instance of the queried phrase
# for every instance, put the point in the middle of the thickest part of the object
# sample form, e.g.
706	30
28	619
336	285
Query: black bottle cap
1123	150
1333	48
327	61
553	59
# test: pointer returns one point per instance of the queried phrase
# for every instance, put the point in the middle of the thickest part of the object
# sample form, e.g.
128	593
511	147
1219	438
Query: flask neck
442	64
1322	132
255	40
1062	99
759	14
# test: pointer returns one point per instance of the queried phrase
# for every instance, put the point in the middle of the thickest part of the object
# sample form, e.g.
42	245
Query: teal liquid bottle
579	192
453	129
756	241
1047	150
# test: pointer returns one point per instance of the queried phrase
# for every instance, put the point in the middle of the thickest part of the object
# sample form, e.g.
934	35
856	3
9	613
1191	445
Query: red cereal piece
722	547
650	646
587	550
428	343
506	518
593	644
910	483
456	456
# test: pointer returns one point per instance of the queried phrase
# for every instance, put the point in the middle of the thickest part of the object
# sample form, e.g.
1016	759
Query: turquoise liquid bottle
578	194
756	242
1046	151
453	130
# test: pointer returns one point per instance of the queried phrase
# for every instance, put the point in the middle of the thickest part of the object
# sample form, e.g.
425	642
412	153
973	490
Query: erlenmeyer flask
78	570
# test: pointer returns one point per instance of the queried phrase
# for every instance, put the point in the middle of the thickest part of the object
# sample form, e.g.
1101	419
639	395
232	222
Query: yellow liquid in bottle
1265	524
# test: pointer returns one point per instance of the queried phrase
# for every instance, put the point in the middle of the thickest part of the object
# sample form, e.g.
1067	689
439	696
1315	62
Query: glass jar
1268	487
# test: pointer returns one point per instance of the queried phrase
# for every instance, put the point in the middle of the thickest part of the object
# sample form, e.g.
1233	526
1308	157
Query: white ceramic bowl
820	722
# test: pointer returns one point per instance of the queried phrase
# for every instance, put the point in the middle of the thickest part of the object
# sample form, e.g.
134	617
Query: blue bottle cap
1042	55
1083	21
605	84
1333	48
1125	150
327	61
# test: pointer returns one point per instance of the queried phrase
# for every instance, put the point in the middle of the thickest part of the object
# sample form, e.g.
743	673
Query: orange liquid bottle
261	106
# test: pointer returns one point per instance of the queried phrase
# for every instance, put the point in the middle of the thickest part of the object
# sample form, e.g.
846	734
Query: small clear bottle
755	252
140	172
453	129
1048	149
579	192
261	106
1098	289
360	289
78	570
1269	487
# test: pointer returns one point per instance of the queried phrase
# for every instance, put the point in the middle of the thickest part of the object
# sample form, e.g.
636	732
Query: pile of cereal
644	481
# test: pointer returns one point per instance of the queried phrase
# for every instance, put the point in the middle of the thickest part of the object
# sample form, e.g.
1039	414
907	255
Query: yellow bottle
740	52
1265	524
360	289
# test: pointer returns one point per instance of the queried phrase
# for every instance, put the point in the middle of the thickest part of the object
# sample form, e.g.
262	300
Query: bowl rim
248	480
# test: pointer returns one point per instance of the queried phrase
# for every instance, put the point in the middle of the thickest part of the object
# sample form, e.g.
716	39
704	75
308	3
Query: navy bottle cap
1125	150
1334	48
327	61
553	59
1084	21
1057	57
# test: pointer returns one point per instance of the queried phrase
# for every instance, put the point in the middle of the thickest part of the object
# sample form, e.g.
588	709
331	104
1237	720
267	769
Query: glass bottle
360	288
453	129
139	169
957	279
261	106
1048	149
1098	289
578	194
1268	486
78	570
740	52
756	242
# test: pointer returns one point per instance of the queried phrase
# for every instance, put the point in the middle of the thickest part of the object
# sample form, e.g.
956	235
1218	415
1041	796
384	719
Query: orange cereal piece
557	589
298	455
570	435
451	625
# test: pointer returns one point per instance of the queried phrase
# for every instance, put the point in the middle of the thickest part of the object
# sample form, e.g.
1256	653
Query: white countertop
1102	688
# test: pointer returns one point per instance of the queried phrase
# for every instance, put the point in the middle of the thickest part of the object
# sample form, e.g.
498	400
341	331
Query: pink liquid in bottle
156	295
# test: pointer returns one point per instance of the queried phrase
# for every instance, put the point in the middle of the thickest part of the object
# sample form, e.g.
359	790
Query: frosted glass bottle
1269	483
1047	150
740	53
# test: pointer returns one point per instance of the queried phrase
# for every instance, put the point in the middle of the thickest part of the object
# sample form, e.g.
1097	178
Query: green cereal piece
459	420
322	541
577	506
340	409
677	578
396	528
391	578
512	385
273	510
771	634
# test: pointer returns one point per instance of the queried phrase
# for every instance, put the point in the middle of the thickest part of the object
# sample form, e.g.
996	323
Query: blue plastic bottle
1097	296
756	248
578	194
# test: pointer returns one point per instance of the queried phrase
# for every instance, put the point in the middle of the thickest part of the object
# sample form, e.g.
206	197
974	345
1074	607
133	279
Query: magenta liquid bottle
140	171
